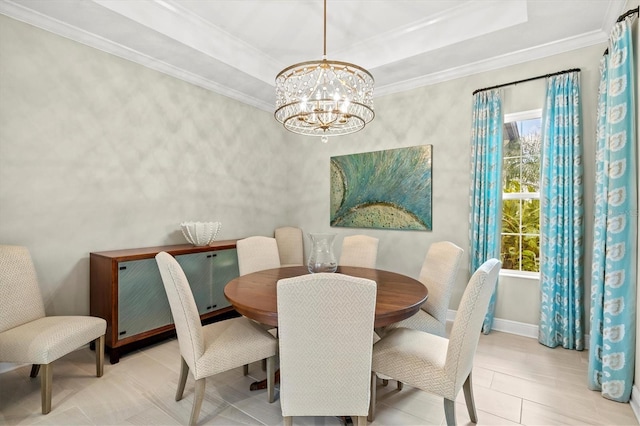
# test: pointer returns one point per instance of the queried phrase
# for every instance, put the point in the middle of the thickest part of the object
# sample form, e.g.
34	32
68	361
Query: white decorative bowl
200	233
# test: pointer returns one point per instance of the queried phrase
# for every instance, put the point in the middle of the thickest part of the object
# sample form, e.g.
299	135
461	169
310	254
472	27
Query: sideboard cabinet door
226	269
142	301
207	274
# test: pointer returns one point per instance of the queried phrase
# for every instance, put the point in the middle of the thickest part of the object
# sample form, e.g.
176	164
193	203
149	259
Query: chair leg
362	421
450	412
197	401
372	403
182	381
35	368
271	378
99	356
467	387
45	387
288	421
245	370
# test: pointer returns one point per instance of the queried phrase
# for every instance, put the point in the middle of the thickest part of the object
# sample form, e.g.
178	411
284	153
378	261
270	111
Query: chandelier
324	98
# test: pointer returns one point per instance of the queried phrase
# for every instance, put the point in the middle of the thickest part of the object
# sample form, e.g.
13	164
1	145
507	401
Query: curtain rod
621	18
628	13
526	80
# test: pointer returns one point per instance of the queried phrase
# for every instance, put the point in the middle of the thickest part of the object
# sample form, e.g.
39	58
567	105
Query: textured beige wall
98	153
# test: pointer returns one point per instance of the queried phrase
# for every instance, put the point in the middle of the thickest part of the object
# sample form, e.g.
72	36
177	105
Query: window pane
531	253
511	216
530	176
511	175
511	135
531	216
510	252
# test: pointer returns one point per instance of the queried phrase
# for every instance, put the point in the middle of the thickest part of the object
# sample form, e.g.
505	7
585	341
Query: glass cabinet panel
198	267
142	301
226	269
208	273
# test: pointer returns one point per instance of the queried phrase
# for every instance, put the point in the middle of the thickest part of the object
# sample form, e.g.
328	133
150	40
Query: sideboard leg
114	355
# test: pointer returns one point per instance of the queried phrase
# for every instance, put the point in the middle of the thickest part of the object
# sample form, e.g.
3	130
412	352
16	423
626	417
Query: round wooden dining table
254	295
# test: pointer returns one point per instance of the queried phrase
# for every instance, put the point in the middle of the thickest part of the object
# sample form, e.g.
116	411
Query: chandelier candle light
324	98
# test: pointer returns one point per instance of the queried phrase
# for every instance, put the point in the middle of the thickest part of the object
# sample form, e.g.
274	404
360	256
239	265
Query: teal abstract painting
388	189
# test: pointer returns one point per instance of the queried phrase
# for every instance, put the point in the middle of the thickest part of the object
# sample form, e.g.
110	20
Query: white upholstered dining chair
324	364
359	250
216	347
257	253
290	245
433	363
438	274
27	335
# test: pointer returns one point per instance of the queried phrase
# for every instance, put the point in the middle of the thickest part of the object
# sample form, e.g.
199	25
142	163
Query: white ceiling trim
76	34
526	55
242	52
171	20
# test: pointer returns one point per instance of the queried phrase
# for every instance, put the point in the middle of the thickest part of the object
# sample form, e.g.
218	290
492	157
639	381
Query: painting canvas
388	189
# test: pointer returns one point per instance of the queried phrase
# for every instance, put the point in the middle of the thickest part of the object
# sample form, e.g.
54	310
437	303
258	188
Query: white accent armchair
27	335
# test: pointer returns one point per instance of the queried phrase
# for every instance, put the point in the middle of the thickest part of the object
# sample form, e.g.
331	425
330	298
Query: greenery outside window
520	244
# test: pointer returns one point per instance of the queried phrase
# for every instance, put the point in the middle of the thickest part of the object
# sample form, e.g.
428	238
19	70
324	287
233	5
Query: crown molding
491	64
29	16
60	28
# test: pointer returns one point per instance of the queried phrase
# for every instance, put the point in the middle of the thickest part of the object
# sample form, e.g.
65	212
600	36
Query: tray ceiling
236	47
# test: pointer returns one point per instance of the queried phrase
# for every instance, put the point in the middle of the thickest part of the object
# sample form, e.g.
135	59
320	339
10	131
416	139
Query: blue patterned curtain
486	185
562	216
613	280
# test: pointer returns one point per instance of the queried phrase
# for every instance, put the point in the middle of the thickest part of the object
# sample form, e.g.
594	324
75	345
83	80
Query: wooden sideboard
127	291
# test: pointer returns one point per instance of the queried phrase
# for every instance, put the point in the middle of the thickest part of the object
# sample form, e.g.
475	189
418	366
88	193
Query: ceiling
236	47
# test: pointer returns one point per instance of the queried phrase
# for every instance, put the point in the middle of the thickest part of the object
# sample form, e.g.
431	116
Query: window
521	192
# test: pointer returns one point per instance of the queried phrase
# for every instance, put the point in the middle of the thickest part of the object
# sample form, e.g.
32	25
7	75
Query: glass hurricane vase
321	257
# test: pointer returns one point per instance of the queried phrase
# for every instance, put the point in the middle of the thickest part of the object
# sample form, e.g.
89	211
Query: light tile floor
516	381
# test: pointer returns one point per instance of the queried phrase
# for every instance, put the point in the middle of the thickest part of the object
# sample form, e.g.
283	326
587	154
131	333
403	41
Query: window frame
509	118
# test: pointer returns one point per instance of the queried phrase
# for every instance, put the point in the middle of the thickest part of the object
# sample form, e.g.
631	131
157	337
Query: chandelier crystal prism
324	98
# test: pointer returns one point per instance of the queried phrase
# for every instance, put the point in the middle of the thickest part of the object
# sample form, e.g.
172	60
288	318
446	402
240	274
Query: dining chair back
433	363
216	347
359	250
290	246
27	335
325	364
257	253
438	274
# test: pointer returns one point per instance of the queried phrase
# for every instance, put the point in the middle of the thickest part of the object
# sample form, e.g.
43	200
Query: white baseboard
515	327
507	326
519	328
635	401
